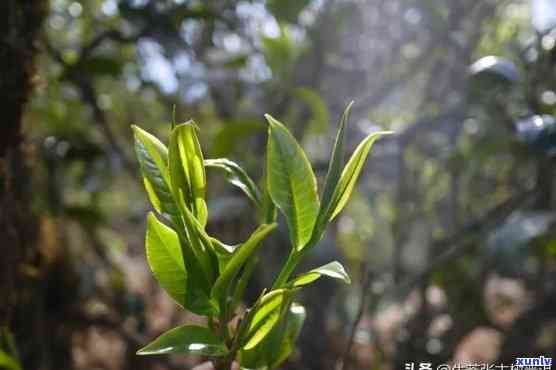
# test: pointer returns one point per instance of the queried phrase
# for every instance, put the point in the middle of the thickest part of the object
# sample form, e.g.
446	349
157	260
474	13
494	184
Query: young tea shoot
208	277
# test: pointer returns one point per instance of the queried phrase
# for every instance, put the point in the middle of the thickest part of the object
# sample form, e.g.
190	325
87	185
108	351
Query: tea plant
207	276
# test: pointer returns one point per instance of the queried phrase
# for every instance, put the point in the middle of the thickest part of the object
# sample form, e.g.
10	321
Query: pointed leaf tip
351	172
291	182
333	269
186	339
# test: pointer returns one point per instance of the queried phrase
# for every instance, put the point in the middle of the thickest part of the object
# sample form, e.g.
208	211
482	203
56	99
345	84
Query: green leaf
287	10
291	182
184	281
295	319
201	244
188	339
187	170
319	112
233	135
165	259
101	65
237	177
153	161
224	252
279	343
351	172
333	269
265	315
281	52
332	177
8	362
240	255
268	211
242	282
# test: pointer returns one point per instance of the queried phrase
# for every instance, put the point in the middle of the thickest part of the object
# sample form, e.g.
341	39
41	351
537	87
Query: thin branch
344	361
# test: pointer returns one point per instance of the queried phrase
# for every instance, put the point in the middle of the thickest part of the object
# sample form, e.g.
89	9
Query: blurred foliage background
450	237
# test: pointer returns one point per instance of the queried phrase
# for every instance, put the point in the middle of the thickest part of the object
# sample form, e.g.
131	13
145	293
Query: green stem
242	282
289	267
224	325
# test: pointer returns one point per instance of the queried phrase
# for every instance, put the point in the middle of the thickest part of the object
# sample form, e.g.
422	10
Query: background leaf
287	10
319	112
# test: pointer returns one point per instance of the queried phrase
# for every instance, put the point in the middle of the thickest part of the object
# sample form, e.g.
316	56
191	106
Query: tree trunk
19	256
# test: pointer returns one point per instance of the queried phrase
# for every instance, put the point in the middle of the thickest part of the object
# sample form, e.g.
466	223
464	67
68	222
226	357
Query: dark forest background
449	239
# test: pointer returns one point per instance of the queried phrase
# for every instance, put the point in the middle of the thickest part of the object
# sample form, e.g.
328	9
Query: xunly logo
534	361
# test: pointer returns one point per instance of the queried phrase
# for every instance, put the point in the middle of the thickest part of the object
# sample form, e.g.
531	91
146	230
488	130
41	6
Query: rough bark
19	30
19	256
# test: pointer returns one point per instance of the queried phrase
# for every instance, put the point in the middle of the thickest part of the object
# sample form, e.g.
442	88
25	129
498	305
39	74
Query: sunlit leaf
332	177
279	343
199	266
165	259
333	269
239	257
266	315
153	161
269	212
237	177
295	319
187	339
200	242
187	170
291	182
351	172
